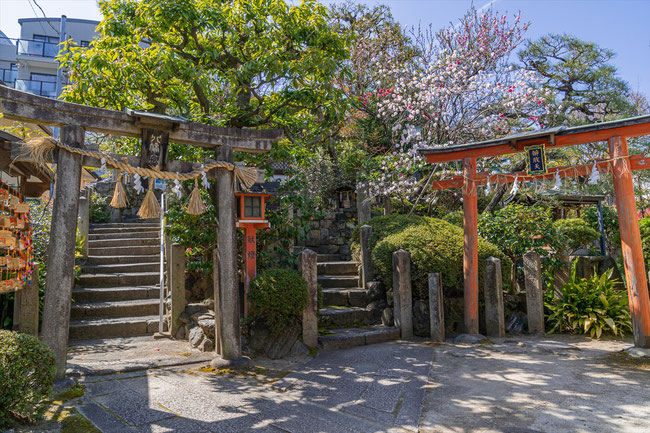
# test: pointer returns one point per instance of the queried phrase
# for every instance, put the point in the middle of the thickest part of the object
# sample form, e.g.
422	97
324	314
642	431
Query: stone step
135	250
323	258
113	327
338	268
108	294
343	338
334	281
120	242
114	260
345	297
131	308
117	279
145	225
121	268
342	316
114	230
123	235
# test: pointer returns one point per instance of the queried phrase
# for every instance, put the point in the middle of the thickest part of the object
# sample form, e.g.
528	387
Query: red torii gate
621	165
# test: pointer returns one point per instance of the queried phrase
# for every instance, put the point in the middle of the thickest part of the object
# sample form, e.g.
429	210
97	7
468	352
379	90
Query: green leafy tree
517	229
583	77
231	63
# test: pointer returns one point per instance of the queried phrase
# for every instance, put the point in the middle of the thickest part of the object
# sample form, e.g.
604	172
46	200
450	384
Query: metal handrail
36	87
26	47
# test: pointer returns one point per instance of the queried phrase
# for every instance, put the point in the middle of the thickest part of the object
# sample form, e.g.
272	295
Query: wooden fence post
60	258
309	272
402	299
436	308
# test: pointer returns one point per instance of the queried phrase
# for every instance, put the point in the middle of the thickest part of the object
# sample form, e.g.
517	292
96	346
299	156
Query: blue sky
620	25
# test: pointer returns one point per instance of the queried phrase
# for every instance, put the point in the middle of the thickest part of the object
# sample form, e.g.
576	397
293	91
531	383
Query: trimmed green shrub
577	232
99	209
386	225
590	306
278	298
455	218
435	246
26	377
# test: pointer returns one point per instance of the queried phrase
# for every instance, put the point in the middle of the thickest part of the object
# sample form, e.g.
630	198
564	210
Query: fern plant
590	306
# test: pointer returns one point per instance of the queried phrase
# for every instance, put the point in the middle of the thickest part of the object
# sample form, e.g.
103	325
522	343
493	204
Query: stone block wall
331	234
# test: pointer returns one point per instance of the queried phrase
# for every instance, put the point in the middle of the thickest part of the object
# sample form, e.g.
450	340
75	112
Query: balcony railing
42	88
36	48
8	76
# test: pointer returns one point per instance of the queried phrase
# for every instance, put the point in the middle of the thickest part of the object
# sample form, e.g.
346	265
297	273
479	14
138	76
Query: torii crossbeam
621	166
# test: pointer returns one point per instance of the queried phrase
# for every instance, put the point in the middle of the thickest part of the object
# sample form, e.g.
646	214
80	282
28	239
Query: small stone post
227	311
436	308
83	224
534	293
60	257
367	273
310	314
388	207
364	207
402	300
177	287
494	314
26	306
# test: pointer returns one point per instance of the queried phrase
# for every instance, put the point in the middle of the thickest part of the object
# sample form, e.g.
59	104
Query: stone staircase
345	321
117	293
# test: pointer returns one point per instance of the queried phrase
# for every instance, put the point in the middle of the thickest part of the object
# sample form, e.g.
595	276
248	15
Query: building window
85	43
47	78
50	39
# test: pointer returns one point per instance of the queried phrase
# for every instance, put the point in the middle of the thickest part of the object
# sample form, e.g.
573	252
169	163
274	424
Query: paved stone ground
522	385
556	384
364	389
118	355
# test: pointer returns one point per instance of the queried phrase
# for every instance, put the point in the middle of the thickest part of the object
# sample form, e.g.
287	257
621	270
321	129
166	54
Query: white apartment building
28	63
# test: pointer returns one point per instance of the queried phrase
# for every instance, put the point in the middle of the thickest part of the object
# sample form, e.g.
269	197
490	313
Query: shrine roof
552	137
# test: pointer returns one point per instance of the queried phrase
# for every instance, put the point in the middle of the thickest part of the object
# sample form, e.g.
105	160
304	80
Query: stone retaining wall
332	233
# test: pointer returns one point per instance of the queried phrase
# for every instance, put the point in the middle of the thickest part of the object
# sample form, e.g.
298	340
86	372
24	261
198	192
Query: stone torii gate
156	132
621	165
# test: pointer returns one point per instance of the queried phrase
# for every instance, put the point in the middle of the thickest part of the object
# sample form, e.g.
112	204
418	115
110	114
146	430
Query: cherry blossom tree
461	88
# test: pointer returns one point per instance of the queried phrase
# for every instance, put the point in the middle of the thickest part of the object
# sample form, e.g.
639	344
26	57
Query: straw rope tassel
119	195
195	206
150	207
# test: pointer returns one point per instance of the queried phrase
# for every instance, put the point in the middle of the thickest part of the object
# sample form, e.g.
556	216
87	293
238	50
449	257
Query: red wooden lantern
251	209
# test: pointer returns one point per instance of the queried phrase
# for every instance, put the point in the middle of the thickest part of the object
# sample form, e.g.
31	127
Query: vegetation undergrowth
590	306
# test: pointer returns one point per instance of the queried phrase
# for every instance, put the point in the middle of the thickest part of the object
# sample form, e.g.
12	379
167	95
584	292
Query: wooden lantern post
251	209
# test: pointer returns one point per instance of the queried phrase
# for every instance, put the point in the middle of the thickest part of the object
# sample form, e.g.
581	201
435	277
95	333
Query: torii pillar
637	284
470	246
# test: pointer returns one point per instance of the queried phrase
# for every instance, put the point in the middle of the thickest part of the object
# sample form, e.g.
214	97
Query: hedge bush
278	298
456	218
26	376
386	225
435	246
577	232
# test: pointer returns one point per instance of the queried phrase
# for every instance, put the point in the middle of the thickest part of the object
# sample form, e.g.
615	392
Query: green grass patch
77	390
